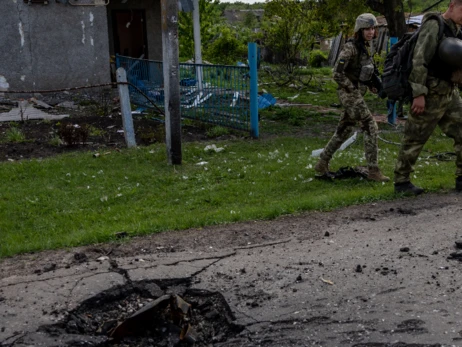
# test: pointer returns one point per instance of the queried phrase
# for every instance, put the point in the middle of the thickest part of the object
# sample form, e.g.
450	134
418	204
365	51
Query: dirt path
375	275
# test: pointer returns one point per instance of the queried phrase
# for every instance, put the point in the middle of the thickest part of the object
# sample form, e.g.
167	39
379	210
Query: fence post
252	56
197	44
125	108
171	68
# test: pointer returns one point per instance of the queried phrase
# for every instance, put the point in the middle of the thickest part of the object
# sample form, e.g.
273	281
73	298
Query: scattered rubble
162	314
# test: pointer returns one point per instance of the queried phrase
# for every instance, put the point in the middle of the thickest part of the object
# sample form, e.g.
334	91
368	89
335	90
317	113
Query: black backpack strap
442	27
441	24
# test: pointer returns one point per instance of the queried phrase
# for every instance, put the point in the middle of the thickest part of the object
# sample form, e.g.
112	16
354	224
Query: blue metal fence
218	94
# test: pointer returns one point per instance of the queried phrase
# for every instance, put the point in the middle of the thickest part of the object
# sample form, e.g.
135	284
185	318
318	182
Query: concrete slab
26	111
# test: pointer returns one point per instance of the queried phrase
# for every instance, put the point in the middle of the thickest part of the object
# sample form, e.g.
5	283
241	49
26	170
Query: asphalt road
374	275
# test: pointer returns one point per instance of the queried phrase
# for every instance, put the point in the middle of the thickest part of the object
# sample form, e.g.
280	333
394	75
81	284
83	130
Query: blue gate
218	94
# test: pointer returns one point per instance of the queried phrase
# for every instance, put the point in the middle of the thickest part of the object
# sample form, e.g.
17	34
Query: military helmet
364	21
450	52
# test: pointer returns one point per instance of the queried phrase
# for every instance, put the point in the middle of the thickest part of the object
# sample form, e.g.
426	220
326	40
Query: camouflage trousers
441	109
356	111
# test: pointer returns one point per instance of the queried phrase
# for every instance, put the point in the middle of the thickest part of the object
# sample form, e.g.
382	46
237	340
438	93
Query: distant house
50	44
239	16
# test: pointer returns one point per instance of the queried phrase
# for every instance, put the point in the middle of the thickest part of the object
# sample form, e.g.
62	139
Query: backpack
398	65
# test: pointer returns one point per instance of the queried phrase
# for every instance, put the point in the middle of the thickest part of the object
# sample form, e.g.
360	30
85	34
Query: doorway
129	32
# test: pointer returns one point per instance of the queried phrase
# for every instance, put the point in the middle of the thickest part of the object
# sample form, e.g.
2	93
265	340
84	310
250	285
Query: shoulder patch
340	66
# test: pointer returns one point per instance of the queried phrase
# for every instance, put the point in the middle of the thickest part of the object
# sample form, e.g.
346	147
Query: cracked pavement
371	275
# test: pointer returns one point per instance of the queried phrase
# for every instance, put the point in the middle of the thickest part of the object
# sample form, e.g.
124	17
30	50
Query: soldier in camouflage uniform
353	73
436	99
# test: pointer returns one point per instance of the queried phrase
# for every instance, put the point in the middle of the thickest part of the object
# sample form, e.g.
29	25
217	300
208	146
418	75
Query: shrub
55	141
317	58
14	134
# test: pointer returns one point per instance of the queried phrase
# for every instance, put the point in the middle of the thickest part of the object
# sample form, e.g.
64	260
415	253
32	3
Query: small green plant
55	141
94	131
14	134
217	131
317	58
380	60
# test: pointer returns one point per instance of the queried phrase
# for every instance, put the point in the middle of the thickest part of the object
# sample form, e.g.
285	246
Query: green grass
14	134
76	199
217	131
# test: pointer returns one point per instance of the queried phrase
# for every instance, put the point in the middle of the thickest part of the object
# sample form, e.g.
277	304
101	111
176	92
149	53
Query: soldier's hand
418	104
374	90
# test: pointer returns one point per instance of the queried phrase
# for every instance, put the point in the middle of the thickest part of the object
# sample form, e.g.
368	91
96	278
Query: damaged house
53	44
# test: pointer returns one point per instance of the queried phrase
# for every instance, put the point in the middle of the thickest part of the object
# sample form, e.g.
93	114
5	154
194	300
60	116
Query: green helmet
364	21
450	52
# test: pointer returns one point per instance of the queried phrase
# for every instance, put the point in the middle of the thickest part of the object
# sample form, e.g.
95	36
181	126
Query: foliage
210	17
393	10
380	60
238	5
55	141
415	6
226	48
340	15
14	134
288	31
250	20
317	58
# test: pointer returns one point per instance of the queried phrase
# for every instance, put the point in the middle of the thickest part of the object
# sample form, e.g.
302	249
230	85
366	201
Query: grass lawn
77	199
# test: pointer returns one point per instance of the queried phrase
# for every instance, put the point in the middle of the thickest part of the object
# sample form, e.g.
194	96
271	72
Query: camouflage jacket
348	65
424	51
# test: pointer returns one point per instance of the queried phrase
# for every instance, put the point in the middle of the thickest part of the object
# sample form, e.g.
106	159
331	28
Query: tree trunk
394	14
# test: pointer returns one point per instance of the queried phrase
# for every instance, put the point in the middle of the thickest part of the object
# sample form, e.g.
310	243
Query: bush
226	48
380	60
317	58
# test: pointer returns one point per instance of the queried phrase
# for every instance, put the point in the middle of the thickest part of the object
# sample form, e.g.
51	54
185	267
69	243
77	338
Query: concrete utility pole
125	108
171	69
197	43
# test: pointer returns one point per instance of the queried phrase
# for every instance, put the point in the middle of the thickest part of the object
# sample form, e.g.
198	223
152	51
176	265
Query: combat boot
408	188
376	175
322	167
459	184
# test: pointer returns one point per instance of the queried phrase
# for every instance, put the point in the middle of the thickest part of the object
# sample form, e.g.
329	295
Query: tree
289	30
393	10
227	47
210	17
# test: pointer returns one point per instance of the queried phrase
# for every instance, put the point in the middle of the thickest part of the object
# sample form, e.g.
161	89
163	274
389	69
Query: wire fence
38	123
217	94
99	100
